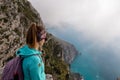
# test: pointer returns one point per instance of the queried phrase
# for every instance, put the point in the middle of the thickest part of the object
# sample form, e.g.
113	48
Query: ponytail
35	34
31	35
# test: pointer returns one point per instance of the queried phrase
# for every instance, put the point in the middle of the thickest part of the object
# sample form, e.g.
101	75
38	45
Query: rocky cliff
15	18
59	55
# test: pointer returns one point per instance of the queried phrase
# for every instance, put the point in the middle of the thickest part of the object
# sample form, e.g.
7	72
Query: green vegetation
0	19
2	30
3	8
1	42
16	30
16	40
26	10
4	19
53	58
6	36
53	64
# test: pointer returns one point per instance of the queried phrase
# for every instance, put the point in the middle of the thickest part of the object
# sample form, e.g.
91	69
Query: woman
33	66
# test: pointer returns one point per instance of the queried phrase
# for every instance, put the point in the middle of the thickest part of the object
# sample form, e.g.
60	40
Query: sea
94	62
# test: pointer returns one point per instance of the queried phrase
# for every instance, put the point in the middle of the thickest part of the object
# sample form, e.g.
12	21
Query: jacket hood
26	51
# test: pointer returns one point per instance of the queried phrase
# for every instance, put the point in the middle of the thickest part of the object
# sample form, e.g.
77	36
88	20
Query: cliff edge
15	17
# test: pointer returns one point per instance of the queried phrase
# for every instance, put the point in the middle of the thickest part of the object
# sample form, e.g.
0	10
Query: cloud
97	19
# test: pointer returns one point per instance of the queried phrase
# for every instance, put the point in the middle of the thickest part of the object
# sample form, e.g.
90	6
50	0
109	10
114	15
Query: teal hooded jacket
33	66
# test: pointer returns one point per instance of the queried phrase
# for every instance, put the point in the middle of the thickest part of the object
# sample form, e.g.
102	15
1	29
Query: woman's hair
34	34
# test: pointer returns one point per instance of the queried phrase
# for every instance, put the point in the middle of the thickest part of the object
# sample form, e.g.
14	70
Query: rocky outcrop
62	49
15	17
75	76
59	55
49	77
118	78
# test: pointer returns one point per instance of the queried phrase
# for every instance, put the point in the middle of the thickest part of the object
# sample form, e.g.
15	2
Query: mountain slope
15	18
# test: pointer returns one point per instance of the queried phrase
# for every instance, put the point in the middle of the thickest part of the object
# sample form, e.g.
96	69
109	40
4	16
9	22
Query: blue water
95	62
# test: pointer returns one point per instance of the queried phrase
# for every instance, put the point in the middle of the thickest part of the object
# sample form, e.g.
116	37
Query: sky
98	20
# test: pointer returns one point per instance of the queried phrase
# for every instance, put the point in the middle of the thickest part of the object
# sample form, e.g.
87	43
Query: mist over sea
93	26
97	61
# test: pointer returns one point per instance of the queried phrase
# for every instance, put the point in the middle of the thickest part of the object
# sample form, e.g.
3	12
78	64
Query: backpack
13	69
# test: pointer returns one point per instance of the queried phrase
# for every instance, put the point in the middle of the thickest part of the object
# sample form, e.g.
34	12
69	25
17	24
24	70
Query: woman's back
33	66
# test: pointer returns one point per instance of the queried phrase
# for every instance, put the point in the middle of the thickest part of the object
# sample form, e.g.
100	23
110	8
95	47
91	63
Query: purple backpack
13	70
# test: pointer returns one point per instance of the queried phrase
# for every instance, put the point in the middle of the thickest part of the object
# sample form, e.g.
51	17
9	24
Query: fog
97	20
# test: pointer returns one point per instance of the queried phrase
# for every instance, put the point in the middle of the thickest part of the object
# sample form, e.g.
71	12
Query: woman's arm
36	69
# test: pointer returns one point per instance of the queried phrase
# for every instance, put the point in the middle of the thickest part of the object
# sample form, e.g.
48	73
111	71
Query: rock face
15	17
118	78
49	77
75	76
62	49
59	55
